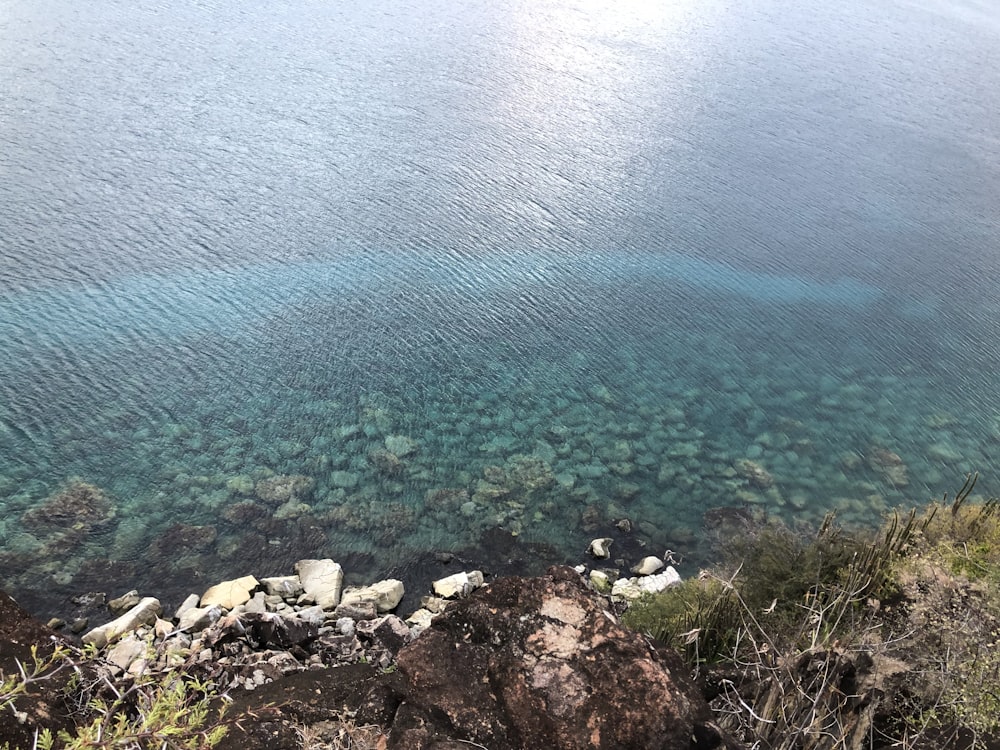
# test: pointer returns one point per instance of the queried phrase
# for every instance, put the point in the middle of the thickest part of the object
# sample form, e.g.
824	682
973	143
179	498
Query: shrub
849	639
169	711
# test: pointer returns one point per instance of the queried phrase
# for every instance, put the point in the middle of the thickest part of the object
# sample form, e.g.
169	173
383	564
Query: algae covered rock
79	505
400	445
755	475
889	464
280	489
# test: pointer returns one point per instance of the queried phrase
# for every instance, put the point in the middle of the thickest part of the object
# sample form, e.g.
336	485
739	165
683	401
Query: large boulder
144	612
322	580
229	594
385	595
541	662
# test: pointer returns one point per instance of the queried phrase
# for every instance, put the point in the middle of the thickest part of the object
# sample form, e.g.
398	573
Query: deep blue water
574	261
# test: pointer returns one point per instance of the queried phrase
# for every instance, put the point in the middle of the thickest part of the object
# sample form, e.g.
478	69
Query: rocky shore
511	663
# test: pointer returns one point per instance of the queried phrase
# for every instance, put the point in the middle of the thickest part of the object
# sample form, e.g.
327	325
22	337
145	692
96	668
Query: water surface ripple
305	278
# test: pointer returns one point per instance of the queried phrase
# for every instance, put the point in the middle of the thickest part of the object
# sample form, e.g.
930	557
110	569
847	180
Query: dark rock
271	629
387	632
226	630
182	536
336	648
309	698
532	663
91	600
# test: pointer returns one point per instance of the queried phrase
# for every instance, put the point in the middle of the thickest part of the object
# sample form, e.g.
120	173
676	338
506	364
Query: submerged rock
386	462
344	479
755	475
182	536
282	488
889	465
78	506
400	445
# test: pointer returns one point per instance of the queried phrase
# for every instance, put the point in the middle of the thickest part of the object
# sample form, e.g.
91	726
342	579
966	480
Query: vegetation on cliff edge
841	639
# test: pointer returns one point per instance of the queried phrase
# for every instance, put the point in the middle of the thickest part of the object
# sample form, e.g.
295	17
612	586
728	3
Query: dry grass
343	733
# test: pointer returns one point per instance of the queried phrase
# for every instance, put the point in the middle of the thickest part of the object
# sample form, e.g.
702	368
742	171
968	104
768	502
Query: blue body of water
304	279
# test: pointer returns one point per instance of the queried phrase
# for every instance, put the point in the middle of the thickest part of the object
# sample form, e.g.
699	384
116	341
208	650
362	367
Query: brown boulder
540	662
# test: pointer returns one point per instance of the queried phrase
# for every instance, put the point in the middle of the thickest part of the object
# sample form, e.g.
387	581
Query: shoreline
242	635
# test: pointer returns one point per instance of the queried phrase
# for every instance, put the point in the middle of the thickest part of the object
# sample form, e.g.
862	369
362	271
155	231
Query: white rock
195	619
228	594
648	565
385	595
419	621
138	667
581	569
661	581
459	584
626	588
632	588
287	587
601	548
315	615
257	605
162	628
126	651
143	613
434	604
322	580
191	601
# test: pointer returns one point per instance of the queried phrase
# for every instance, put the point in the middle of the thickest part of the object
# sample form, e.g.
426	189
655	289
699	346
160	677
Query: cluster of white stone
314	595
651	575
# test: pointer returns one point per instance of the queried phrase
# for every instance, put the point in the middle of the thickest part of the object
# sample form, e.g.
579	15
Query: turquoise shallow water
303	281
